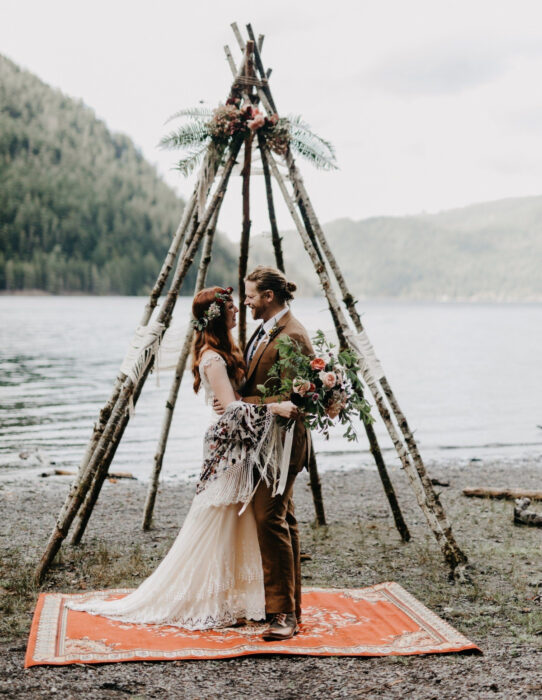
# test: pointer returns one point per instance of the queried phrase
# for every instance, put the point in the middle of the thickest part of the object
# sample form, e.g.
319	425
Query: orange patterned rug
381	620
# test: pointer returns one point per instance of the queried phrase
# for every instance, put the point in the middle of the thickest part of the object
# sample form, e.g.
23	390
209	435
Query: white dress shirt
267	326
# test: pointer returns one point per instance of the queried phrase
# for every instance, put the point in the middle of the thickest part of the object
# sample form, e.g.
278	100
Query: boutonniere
273	332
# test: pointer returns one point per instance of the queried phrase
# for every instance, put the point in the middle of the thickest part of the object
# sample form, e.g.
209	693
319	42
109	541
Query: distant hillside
82	211
489	251
80	208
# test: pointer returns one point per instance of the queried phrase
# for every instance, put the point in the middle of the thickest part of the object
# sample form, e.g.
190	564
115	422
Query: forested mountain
82	211
80	208
489	252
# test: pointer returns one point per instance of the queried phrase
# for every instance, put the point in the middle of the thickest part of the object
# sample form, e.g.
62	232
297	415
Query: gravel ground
500	610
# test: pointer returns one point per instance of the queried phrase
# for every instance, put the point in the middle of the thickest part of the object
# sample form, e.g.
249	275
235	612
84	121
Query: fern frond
189	163
305	148
192	112
298	126
311	146
187	135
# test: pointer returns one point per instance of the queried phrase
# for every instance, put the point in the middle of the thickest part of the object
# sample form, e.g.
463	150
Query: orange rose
318	364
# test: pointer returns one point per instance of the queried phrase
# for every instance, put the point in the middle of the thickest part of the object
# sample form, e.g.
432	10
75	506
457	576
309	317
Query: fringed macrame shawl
243	447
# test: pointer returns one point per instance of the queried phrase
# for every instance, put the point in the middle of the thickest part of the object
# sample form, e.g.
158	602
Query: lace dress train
212	575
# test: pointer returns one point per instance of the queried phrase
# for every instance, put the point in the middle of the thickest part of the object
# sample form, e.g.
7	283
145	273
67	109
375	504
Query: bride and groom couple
236	556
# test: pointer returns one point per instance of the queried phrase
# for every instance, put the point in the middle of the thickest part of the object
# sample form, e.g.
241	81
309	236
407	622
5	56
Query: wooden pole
369	430
275	236
261	70
245	233
238	36
85	474
316	488
314	478
100	474
176	384
105	412
267	99
371	435
307	211
120	412
169	261
450	552
84	477
103	465
304	202
87	505
386	483
244	245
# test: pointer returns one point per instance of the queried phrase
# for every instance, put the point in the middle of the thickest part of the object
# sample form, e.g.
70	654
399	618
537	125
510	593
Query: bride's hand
286	409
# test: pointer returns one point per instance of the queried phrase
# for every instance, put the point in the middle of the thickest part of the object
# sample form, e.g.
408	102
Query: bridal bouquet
325	387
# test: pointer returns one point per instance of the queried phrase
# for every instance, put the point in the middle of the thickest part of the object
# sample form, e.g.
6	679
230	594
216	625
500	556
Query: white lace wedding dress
212	575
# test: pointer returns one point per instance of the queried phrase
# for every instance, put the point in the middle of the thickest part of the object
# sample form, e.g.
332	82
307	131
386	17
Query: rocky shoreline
500	610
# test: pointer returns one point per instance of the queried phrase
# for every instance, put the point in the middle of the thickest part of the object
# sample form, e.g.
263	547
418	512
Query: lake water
468	377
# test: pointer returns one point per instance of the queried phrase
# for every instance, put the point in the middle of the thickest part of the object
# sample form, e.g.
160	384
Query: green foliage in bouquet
326	387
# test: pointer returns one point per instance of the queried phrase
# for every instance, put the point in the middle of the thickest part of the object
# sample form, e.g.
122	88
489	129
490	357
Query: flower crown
214	310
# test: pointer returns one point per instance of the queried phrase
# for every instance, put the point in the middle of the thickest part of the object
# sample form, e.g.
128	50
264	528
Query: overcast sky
430	104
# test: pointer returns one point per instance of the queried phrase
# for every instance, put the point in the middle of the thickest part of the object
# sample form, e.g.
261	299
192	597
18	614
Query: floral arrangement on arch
325	387
217	127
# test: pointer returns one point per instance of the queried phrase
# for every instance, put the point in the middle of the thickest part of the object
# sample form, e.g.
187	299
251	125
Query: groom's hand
217	406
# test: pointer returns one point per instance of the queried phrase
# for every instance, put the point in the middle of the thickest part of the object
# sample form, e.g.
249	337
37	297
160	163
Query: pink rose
318	364
301	386
256	123
329	379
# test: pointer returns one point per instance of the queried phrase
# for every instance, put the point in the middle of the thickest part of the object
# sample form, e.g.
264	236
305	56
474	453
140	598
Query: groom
267	293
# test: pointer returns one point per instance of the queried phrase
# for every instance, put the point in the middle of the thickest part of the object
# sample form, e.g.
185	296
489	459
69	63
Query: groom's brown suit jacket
257	373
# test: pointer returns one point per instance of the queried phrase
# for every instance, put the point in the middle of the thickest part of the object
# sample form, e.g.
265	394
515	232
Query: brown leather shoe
283	626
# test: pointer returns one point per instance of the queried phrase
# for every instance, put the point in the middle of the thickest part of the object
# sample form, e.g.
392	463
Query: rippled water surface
468	377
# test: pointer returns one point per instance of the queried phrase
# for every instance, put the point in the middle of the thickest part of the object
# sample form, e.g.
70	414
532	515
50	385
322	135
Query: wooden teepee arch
198	224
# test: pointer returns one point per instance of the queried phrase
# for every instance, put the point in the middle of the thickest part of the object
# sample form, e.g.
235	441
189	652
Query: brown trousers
279	545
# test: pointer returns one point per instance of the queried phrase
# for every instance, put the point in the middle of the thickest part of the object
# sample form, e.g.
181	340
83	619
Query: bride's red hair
215	336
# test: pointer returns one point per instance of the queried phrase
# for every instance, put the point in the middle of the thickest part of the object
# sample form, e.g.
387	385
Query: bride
212	575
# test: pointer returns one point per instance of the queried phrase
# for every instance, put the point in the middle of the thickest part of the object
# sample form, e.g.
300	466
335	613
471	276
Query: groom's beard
257	312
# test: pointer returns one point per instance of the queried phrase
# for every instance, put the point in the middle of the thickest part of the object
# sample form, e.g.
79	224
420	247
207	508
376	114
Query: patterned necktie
255	344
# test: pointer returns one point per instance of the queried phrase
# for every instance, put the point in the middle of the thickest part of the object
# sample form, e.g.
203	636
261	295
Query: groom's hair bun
273	279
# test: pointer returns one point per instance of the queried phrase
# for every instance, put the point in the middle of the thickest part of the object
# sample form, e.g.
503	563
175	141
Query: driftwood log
509	494
522	516
67	472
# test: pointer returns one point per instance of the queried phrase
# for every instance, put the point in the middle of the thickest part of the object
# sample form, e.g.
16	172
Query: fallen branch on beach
509	494
523	516
111	475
